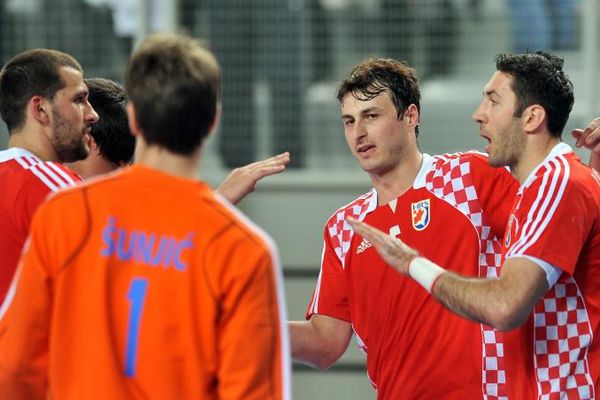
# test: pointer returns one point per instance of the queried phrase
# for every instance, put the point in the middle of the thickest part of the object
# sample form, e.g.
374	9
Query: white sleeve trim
552	273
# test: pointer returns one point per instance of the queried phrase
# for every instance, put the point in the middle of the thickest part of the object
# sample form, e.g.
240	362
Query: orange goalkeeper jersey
143	285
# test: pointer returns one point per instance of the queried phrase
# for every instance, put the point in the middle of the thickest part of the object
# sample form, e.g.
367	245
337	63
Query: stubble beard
69	144
508	152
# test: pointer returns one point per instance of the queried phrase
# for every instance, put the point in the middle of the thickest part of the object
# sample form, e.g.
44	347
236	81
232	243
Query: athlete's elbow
325	362
505	324
508	316
321	361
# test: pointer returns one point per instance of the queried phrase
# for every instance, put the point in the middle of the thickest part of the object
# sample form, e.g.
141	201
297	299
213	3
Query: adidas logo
365	244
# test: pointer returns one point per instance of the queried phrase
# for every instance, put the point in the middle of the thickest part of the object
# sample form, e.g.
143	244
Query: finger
577	135
268	171
367	231
281	156
595	123
360	228
592	138
279	159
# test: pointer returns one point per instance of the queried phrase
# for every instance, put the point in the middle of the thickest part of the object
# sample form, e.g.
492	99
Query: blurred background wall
282	60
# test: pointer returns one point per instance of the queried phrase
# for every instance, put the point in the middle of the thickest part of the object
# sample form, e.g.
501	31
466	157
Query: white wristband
424	272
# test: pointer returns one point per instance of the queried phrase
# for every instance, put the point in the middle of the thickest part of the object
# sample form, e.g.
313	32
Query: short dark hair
173	82
538	78
111	133
31	73
373	76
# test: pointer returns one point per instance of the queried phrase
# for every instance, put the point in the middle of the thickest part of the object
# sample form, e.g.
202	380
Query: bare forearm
480	300
305	345
503	303
317	345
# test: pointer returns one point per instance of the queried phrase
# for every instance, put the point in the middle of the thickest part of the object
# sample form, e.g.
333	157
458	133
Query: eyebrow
363	112
81	92
490	92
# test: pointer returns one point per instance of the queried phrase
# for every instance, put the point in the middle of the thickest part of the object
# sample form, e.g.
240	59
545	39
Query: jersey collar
420	180
558	150
15	152
418	183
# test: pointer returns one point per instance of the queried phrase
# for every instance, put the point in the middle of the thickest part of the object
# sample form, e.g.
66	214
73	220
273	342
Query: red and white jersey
25	181
556	219
455	214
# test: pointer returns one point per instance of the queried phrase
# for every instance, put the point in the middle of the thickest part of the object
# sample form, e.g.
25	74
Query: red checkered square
562	335
451	180
340	231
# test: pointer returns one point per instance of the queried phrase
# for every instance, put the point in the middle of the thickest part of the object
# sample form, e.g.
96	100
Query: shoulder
560	180
566	175
43	174
357	208
29	180
232	227
552	175
471	167
63	202
75	198
468	160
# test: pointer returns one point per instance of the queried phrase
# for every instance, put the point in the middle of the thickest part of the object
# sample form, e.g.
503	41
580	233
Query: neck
398	180
536	150
93	165
159	158
36	142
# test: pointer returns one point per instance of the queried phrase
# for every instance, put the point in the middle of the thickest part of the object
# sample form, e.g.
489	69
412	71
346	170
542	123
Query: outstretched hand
243	180
590	139
392	250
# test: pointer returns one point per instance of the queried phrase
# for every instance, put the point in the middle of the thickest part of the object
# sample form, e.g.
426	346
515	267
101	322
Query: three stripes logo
364	245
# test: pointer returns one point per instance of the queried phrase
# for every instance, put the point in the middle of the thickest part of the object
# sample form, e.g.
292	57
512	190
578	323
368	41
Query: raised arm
243	180
590	139
503	303
320	341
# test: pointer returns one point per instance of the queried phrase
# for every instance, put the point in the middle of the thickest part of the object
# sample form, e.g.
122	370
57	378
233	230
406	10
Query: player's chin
77	153
496	161
366	165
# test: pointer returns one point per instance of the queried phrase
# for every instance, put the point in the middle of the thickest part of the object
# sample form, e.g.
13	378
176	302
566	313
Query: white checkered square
340	231
562	335
450	179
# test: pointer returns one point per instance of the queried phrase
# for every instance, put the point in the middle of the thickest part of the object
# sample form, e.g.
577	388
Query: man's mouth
364	148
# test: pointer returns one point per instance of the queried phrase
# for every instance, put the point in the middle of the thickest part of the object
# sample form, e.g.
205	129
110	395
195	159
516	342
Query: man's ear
39	109
133	123
534	118
412	115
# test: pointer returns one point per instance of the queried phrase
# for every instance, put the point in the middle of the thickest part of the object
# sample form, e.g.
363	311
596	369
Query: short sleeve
331	292
551	222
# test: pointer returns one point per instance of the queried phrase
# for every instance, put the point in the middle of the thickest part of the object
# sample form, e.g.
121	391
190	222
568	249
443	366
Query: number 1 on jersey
136	295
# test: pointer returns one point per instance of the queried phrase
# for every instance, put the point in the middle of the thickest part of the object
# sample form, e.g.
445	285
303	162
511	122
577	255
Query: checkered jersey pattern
562	337
450	179
340	231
